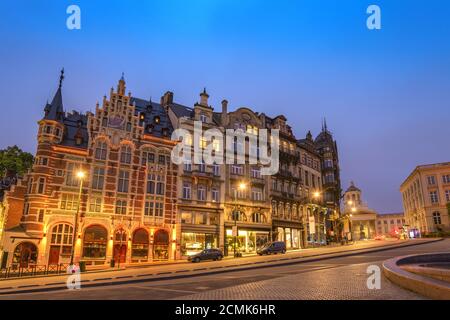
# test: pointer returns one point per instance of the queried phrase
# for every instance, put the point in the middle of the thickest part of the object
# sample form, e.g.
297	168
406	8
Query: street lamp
80	175
242	186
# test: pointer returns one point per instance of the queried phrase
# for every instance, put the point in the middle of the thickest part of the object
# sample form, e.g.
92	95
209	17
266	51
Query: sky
385	93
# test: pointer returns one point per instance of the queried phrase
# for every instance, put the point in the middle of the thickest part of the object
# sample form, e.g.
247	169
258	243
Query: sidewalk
186	269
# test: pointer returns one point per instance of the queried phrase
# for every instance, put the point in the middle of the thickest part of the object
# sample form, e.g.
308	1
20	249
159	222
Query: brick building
126	200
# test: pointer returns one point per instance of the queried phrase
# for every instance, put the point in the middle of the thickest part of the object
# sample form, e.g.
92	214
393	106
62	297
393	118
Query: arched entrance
94	242
120	246
139	248
25	254
161	245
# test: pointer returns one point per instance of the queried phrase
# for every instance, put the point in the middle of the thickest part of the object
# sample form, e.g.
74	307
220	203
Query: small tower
204	98
51	126
121	86
352	196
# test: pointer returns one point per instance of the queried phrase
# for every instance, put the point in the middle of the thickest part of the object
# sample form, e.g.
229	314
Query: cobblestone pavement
342	283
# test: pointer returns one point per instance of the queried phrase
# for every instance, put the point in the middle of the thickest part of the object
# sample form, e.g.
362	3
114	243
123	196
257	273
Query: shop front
290	233
246	241
194	242
197	237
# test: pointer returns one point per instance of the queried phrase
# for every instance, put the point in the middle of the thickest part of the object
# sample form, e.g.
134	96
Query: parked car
273	248
207	254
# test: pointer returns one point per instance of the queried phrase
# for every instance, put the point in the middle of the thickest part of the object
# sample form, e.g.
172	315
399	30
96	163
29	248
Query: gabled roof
151	110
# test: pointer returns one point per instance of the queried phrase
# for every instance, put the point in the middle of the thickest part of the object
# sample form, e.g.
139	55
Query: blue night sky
385	94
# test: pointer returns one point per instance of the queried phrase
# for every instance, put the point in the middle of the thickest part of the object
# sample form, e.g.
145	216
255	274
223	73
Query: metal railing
16	271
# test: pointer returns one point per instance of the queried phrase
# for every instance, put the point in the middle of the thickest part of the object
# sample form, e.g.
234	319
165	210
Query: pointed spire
61	78
325	124
123	76
55	110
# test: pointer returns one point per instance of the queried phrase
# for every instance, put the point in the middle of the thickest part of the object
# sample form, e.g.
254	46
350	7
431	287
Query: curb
426	286
178	274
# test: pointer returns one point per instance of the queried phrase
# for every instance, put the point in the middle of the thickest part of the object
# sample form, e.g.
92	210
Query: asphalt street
335	278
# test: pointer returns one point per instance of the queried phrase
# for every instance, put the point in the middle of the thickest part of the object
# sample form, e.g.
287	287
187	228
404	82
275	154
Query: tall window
201	193
155	184
41	185
203	118
121	207
61	237
98	178
149	208
186	190
125	154
69	201
431	180
147	157
40	217
216	169
257	195
71	178
30	185
151	183
434	197
188	165
258	218
202	167
447	195
101	149
215	195
154	209
95	204
124	180
437	217
159	185
446	178
239	170
256	173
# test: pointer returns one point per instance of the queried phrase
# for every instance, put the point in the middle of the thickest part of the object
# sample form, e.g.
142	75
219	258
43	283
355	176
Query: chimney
224	117
167	98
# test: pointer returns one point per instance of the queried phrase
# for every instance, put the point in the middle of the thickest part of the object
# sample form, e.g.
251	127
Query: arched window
101	149
25	254
125	154
258	217
139	249
238	216
437	217
60	242
161	245
94	242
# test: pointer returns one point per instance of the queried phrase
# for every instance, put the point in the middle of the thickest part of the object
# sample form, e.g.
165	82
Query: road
333	278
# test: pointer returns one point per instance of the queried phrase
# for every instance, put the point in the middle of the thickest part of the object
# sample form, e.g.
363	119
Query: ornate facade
134	205
127	200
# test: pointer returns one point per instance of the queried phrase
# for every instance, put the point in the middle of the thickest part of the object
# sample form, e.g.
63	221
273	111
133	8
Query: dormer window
156	119
78	141
165	132
149	128
142	116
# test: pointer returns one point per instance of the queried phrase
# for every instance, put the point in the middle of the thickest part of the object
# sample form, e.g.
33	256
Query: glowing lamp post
80	175
242	186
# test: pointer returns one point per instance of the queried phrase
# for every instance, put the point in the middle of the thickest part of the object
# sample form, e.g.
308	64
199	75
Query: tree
14	161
